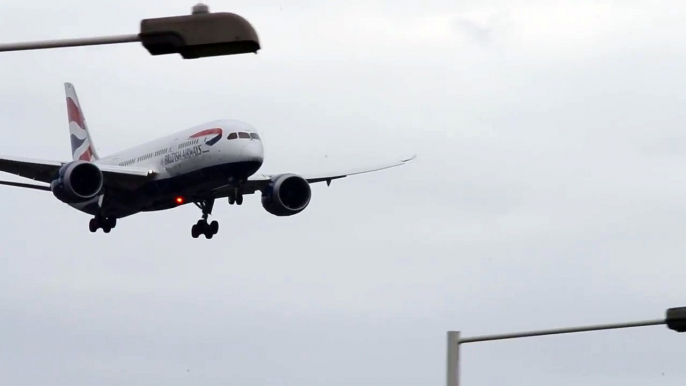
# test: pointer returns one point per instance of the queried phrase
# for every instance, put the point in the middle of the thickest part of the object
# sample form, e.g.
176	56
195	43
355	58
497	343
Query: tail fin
82	147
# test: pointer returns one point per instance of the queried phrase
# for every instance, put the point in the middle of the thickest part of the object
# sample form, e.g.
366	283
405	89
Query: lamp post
201	34
675	320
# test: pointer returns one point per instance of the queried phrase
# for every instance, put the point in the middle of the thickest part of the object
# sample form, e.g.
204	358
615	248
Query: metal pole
675	320
37	45
562	331
453	376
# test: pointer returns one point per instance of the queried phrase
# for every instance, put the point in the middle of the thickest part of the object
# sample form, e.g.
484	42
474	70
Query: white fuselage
193	149
186	164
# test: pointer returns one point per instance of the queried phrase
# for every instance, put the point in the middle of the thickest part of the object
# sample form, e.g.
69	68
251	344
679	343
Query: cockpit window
254	136
243	135
232	136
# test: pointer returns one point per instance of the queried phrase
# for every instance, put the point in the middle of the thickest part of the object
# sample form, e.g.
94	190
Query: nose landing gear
235	197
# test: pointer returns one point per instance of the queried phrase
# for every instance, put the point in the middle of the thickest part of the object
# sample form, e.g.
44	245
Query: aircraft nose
253	152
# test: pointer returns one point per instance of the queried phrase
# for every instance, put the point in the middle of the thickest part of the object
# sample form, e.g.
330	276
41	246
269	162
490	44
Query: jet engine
77	181
286	195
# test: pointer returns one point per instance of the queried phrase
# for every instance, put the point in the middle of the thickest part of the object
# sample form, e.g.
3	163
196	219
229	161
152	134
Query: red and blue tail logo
82	147
76	117
217	132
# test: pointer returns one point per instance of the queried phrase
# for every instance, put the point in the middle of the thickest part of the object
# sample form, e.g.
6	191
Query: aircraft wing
37	170
44	171
258	181
124	176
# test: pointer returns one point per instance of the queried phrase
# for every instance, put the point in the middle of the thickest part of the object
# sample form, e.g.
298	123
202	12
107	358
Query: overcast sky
549	190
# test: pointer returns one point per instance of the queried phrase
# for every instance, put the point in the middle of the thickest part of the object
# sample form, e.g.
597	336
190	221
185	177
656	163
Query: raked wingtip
409	159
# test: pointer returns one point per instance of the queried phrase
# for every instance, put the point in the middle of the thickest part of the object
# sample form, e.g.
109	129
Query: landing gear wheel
202	227
93	225
235	196
104	223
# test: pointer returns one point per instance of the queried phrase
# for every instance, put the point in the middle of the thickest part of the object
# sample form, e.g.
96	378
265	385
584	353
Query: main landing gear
202	227
104	223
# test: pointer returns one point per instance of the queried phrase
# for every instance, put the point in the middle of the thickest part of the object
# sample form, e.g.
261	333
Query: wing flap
333	176
320	177
259	181
125	177
129	171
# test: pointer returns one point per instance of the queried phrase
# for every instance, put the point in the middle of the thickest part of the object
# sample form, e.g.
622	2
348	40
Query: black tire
106	228
239	199
195	232
232	200
93	226
214	227
113	222
209	235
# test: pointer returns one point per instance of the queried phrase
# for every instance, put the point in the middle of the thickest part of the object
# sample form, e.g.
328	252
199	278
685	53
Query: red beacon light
179	200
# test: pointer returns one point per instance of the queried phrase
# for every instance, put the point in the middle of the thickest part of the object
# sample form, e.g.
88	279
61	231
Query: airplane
210	161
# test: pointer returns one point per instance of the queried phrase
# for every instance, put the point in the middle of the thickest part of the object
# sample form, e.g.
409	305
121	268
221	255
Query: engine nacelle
77	181
286	195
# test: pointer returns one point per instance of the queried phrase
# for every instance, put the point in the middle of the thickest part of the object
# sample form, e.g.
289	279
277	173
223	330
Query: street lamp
675	320
201	34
